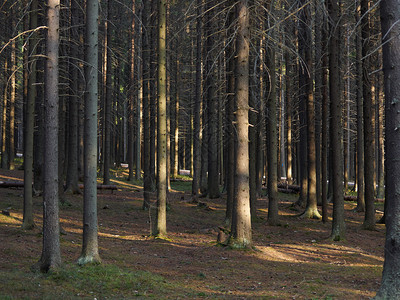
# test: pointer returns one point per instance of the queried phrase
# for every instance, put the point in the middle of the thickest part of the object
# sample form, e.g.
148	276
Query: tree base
89	259
28	225
311	213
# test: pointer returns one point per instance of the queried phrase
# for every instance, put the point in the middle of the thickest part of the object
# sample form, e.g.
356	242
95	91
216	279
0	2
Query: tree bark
90	250
131	100
338	225
212	106
390	14
108	98
196	108
28	221
241	236
369	148
72	170
360	124
161	224
272	138
51	255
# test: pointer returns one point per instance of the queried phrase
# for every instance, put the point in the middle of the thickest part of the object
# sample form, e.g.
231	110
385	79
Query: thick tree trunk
241	224
90	250
51	255
390	14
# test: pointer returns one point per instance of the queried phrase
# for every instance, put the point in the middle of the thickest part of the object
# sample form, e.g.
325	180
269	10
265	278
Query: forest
263	133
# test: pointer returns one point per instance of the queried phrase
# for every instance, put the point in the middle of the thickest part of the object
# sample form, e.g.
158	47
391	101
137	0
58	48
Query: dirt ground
293	261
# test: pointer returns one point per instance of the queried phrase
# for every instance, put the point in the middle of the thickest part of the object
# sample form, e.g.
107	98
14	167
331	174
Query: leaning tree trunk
90	250
241	223
390	14
51	255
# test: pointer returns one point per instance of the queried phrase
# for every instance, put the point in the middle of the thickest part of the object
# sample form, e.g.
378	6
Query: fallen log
11	184
354	198
20	184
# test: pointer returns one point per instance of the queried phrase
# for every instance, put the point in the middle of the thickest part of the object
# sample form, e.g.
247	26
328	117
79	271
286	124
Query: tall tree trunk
229	116
369	148
161	224
51	255
147	182
212	107
338	225
131	100
390	14
305	41
324	125
196	108
28	221
72	171
90	250
360	124
241	224
303	97
272	138
11	127
108	99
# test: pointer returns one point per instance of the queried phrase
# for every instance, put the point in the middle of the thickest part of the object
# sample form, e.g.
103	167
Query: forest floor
295	260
